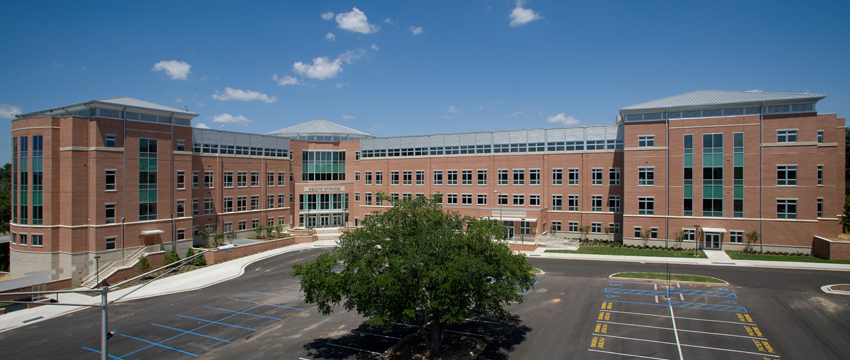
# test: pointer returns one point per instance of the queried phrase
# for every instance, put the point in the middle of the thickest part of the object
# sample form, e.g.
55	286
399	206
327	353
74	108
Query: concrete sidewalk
188	281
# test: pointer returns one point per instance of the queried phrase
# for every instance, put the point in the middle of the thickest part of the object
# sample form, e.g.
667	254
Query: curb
664	281
828	289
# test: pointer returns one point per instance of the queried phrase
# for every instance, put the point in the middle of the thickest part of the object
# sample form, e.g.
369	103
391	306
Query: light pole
96	270
696	240
498	200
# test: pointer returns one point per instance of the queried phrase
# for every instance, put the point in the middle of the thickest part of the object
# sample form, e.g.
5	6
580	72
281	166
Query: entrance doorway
337	220
324	221
510	227
711	241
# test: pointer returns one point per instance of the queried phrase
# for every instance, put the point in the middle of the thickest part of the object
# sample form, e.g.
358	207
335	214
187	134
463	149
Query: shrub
144	265
200	261
190	252
170	258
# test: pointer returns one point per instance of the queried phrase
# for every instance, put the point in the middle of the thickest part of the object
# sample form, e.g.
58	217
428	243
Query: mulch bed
453	348
844	287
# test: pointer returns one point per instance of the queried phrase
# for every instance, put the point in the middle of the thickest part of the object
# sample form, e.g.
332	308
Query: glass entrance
311	221
510	227
324	221
711	241
337	220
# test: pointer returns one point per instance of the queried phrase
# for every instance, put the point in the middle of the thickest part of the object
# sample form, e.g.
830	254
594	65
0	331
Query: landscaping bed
631	251
452	348
735	255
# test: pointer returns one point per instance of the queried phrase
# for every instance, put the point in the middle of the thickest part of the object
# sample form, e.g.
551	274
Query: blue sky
415	67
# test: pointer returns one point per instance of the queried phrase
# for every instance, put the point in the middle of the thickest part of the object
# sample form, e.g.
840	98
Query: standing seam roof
719	97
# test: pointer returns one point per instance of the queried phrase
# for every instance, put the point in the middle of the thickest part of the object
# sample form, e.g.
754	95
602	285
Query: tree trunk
436	336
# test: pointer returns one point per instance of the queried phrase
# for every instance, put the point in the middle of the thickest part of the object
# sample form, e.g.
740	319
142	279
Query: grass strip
673	277
605	250
536	271
809	259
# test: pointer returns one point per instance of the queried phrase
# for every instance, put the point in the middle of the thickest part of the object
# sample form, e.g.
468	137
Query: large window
614	203
646	140
420	177
322	165
466	177
646	206
241	179
452	177
519	200
613	176
712	175
786	209
466	199
572	203
646	176
503	177
147	179
573	176
786	175
534	200
407	177
786	136
37	178
688	188
596	176
482	177
596	203
438	177
482	199
534	177
557	202
557	176
519	176
451	199
738	175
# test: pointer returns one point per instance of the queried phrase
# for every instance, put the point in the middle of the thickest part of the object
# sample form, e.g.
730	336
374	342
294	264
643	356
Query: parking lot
575	311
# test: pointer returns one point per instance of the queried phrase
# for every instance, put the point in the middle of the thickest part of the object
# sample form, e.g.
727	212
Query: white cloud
520	112
452	109
388	21
351	55
754	90
415	30
375	47
7	111
447	116
348	117
375	129
356	21
563	119
322	68
177	70
522	16
202	126
328	15
230	119
340	85
330	36
178	100
243	95
285	80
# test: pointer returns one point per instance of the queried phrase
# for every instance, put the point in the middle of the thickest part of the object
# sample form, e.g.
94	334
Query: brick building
115	177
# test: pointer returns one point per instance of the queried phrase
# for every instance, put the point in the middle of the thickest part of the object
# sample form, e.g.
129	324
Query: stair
327	234
111	267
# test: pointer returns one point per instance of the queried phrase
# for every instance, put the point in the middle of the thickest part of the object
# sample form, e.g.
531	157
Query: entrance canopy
509	219
153	232
714	230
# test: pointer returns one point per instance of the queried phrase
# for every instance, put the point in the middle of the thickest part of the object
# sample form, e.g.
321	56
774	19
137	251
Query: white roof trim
153	232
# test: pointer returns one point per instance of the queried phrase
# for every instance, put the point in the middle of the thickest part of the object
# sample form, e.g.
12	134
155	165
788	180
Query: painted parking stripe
243	313
680	317
279	295
160	345
191	332
248	301
684	345
370	334
628	291
285	307
98	351
690	305
626	355
681	330
285	287
353	348
216	322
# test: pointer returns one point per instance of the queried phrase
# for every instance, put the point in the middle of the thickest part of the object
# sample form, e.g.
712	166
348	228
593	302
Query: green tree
584	230
417	263
170	258
752	238
230	236
5	197
845	217
680	237
144	265
644	237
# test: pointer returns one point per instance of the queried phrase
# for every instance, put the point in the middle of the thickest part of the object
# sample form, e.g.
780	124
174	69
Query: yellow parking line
758	345
594	341
749	330
601	342
609	305
758	332
604	329
749	319
768	347
598	327
601	315
604	303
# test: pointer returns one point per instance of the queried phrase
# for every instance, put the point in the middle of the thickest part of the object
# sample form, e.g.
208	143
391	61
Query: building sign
323	188
519	214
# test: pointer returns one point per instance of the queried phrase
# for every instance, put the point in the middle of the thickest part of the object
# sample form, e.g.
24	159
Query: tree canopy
416	263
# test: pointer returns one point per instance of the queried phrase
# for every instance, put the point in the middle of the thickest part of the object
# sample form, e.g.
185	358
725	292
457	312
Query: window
181	179
572	226
255	178
613	176
394	196
379	178
596	203
614	203
596	227
556	225
228	204
637	231
269	201
255	202
503	199
820	174
646	176
557	202
281	177
255	223
534	177
452	177
572	176
208	205
110	241
270	221
322	166
181	208
533	200
407	196
736	237
228	179
181	145
420	177
281	200
525	227
451	199
195	180
181	234
646	140
356	176
281	220
270	178
615	228
242	179
241	203
243	224
110	180
785	136
208	179
466	177
368	199
557	176
438	177
786	175
596	176
368	178
482	177
110	141
357	197
110	213
786	209
503	177
519	176
572	203
820	136
195	207
408	177
482	199
466	199
394	177
519	200
820	207
22	239
653	233
646	206
690	234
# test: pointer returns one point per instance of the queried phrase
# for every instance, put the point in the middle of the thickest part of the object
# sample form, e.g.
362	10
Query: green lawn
604	250
740	256
673	277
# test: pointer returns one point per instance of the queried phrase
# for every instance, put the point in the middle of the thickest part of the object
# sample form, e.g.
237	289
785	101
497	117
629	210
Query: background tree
680	237
417	263
5	197
609	232
752	238
644	236
584	230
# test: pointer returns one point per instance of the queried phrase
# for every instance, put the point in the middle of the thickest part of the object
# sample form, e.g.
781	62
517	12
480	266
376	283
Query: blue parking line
191	332
160	345
98	351
264	293
690	305
628	291
244	313
255	302
298	281
285	287
278	295
215	322
634	282
288	307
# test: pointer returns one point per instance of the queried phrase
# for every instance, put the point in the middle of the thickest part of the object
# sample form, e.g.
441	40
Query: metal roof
29	279
318	127
721	97
119	101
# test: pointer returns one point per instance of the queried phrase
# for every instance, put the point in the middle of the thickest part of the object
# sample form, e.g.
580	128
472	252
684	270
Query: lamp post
696	240
96	270
522	230
498	200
